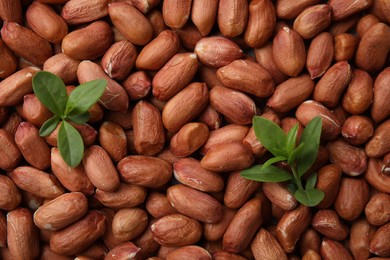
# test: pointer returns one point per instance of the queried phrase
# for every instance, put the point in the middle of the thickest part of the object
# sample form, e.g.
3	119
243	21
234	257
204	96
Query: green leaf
291	139
311	138
79	119
70	144
49	126
84	96
292	187
309	198
274	160
311	181
268	174
270	135
295	153
51	91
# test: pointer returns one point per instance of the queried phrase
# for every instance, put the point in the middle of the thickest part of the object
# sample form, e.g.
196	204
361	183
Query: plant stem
296	177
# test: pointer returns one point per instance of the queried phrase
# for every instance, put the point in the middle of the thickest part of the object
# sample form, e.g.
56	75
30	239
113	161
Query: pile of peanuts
165	144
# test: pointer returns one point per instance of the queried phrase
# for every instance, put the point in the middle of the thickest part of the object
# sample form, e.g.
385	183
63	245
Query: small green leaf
268	174
270	135
309	198
49	126
291	139
51	91
295	153
84	96
79	119
311	138
70	144
274	160
311	181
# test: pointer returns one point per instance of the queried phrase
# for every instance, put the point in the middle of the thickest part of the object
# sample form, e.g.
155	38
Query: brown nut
15	36
359	93
113	139
156	53
310	241
205	208
61	211
37	182
330	87
62	66
144	170
352	160
80	235
328	180
345	45
291	60
312	20
320	54
3	231
215	232
379	144
309	109
248	77
352	198
373	48
100	169
203	15
73	179
264	57
217	51
22	236
83	11
343	9
137	85
129	223
9	151
187	252
189	139
273	250
291	93
357	129
130	22
126	196
119	59
279	195
174	75
377	210
10	196
33	147
243	226
185	106
189	171
331	248
125	250
380	241
327	223
89	42
261	23
375	175
34	111
176	230
158	205
226	134
8	63
11	11
45	22
286	9
380	109
146	242
365	23
227	157
236	106
361	234
291	226
176	13
232	17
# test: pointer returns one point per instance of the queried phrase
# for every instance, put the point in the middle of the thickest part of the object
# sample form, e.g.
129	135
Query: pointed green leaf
268	174
70	144
309	198
79	119
49	126
311	181
270	135
311	138
295	153
274	160
84	96
51	91
292	139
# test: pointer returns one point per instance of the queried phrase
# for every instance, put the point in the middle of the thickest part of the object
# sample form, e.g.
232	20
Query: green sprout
51	91
299	157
